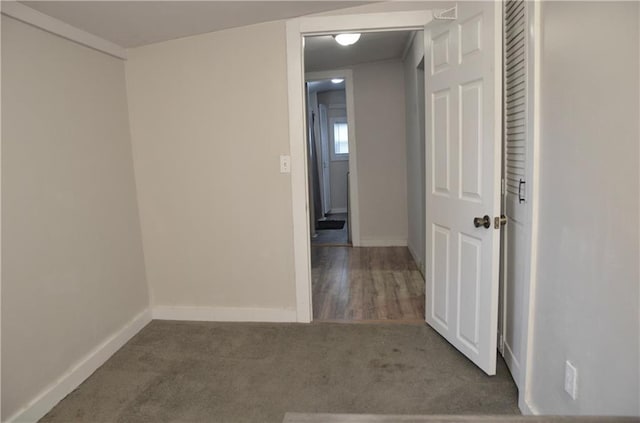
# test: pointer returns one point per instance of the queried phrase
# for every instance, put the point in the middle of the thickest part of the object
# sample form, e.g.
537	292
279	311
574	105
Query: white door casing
296	29
520	137
463	156
516	178
463	107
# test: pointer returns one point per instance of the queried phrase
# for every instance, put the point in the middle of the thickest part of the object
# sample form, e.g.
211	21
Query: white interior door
326	171
463	156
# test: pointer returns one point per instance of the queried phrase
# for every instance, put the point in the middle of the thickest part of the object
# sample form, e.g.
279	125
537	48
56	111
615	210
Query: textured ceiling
136	23
322	52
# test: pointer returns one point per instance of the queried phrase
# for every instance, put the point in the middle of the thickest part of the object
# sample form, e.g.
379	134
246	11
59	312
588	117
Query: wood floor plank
366	284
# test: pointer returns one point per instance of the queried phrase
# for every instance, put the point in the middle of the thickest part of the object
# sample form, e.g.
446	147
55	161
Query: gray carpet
251	372
369	418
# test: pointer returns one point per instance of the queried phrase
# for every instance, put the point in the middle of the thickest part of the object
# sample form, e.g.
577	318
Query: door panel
471	141
469	289
441	262
463	152
441	142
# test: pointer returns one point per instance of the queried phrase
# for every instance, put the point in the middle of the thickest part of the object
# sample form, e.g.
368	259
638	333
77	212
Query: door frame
353	210
534	26
413	20
534	46
296	30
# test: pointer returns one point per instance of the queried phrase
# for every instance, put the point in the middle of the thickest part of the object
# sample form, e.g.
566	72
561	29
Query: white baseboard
527	409
416	259
338	210
224	314
71	379
512	363
382	243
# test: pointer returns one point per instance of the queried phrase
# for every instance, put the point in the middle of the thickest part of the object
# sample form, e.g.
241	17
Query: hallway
366	284
333	237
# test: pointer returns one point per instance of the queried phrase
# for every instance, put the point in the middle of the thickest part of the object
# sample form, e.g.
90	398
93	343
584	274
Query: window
340	138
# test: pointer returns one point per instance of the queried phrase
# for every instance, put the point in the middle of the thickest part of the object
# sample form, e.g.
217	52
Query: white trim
383	242
524	392
527	409
413	253
379	22
338	210
510	359
71	379
498	163
223	314
45	22
296	29
0	223
419	262
299	193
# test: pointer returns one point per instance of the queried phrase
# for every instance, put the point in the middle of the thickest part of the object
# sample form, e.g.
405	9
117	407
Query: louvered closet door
515	96
517	133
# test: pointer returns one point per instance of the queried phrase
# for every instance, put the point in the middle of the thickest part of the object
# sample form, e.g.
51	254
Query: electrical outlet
571	379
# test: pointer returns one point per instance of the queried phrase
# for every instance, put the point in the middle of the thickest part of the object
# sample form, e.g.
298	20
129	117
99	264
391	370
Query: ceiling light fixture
337	80
346	39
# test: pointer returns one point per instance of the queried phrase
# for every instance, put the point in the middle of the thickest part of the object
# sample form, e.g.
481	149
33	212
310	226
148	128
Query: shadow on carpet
251	372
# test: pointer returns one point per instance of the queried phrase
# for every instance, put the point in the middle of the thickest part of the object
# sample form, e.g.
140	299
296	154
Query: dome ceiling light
346	39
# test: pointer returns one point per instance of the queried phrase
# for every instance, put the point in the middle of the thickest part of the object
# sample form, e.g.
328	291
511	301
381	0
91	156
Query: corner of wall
526	408
77	374
136	187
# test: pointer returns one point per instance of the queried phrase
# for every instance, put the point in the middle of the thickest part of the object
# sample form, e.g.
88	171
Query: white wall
72	263
209	120
215	211
414	98
379	97
332	97
586	296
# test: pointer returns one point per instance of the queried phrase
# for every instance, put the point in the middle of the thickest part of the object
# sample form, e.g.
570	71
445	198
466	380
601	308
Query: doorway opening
328	147
463	115
358	102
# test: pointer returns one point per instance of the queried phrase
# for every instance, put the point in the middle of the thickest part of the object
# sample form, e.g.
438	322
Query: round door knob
482	221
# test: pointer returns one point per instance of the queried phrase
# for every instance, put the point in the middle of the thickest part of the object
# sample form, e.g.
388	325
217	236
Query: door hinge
502	186
450	14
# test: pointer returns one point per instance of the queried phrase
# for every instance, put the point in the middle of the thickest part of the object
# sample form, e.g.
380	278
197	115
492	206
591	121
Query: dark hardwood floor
366	284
